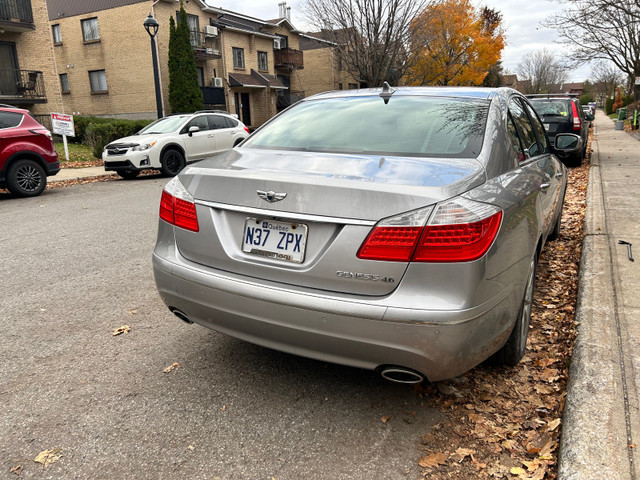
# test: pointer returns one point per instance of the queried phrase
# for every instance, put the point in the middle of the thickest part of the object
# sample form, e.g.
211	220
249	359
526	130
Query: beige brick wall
123	52
321	74
35	52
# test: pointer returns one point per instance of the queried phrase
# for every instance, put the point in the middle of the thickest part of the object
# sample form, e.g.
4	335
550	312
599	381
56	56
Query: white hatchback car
169	143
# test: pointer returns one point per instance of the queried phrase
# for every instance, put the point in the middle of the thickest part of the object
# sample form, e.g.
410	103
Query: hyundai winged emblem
271	196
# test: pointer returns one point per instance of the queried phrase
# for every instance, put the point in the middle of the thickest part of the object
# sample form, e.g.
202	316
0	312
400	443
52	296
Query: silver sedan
389	229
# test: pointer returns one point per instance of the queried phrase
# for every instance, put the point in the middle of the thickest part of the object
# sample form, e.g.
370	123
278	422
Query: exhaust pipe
401	375
181	315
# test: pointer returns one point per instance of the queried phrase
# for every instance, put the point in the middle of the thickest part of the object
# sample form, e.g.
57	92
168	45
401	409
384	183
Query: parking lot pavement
76	265
602	419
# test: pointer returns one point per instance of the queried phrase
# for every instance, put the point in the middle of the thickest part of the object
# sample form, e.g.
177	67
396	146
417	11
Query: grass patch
78	153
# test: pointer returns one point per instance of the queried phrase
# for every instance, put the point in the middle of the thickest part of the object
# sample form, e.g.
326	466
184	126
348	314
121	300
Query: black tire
172	162
555	233
26	178
513	351
238	142
575	160
128	174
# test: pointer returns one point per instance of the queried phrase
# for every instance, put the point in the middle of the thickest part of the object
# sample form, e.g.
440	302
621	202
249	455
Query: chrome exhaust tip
181	315
401	375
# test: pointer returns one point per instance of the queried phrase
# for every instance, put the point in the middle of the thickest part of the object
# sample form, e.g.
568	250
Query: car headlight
141	148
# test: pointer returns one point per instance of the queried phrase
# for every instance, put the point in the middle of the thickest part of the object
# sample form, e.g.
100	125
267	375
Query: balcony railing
22	86
204	46
288	58
16	11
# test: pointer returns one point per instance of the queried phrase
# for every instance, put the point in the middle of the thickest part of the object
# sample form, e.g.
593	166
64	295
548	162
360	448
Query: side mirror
193	129
591	117
567	143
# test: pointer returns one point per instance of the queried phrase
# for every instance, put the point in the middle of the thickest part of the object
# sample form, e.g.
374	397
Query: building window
263	64
57	36
194	28
64	83
353	86
200	71
339	86
284	41
90	31
98	81
238	57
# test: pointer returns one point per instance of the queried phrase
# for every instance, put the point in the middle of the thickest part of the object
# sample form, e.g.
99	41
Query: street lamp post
151	25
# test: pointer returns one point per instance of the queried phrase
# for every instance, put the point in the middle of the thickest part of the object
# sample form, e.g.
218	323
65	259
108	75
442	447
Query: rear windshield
405	126
554	108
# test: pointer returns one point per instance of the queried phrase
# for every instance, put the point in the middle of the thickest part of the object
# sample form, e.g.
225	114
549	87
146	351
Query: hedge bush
96	132
608	107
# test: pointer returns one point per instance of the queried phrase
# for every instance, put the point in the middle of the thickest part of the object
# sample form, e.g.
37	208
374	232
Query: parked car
399	233
563	114
168	144
27	153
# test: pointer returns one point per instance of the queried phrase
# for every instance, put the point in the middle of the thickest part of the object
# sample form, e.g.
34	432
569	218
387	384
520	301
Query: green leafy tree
184	92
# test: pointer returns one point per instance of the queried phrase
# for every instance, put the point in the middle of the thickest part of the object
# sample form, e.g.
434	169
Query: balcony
288	58
213	96
204	46
16	16
287	98
24	87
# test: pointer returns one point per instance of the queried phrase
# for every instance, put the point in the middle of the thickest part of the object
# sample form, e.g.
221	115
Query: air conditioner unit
217	82
210	31
209	51
276	43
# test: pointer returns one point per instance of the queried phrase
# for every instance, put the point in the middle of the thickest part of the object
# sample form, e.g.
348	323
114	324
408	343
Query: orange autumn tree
453	43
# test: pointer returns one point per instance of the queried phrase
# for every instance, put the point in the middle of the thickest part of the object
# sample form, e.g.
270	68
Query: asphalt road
75	264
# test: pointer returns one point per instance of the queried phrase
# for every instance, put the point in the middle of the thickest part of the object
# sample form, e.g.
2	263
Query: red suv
27	155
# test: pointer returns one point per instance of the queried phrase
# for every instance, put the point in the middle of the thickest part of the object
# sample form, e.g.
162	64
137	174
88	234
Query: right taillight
177	206
459	230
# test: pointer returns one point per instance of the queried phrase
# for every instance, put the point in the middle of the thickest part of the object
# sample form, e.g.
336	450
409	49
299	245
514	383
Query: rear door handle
559	175
544	186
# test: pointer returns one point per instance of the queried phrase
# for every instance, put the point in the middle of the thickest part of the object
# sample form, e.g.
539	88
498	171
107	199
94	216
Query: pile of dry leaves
505	422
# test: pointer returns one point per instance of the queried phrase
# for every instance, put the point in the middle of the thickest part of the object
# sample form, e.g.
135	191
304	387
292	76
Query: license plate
279	240
546	126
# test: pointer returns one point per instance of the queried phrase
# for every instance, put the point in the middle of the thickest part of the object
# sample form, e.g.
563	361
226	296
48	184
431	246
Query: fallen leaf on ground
121	330
171	367
433	460
385	419
133	312
553	425
17	470
48	457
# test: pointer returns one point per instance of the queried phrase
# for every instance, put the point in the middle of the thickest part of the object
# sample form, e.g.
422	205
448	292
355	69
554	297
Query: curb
593	445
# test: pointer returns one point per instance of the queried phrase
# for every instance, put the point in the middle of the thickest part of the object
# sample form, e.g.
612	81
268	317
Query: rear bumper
359	332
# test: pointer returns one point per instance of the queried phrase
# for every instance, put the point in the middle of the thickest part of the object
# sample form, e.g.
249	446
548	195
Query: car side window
10	119
200	122
525	129
539	129
230	123
515	139
216	122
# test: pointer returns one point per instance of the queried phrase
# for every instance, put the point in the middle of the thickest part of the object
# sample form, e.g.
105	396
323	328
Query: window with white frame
90	30
238	57
57	35
64	82
263	63
98	80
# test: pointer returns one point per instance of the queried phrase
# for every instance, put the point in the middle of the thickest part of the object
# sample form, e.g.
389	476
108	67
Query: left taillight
577	123
177	206
459	230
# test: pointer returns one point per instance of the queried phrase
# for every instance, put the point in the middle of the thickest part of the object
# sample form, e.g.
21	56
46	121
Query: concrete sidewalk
75	173
601	420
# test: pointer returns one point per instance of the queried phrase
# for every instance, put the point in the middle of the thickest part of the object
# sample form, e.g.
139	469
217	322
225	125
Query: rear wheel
26	178
514	349
128	174
172	162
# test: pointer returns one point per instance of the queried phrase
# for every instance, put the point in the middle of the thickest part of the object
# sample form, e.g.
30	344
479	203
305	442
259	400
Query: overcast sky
521	18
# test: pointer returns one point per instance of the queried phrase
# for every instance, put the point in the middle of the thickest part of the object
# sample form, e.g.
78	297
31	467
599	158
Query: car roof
484	93
10	108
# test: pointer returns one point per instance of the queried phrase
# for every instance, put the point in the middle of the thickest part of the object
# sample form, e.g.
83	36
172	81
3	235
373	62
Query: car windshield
555	108
407	125
164	125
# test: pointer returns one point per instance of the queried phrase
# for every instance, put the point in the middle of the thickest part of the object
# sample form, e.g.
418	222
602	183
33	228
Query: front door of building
243	110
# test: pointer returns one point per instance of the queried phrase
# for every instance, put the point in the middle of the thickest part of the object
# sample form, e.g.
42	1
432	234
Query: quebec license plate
279	240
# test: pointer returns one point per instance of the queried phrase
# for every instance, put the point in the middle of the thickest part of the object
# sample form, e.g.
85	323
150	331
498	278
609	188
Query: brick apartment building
247	66
28	77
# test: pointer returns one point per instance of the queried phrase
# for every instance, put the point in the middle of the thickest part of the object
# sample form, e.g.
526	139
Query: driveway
76	265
